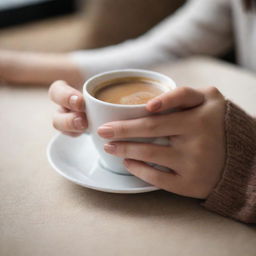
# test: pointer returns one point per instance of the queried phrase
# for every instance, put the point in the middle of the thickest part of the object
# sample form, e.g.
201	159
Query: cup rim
142	71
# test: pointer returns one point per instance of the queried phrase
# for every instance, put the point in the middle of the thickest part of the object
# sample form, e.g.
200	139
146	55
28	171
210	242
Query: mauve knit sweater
235	194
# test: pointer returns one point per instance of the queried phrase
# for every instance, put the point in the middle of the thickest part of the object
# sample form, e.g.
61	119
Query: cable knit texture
235	194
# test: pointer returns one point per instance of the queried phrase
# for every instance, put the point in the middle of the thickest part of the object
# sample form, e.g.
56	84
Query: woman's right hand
70	118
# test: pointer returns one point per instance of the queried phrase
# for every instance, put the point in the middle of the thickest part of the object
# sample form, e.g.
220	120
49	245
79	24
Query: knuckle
68	124
56	84
62	122
121	129
213	91
54	87
150	124
123	150
59	83
184	90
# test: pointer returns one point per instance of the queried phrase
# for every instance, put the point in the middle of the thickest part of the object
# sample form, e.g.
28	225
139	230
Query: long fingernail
106	131
73	101
79	123
154	104
110	148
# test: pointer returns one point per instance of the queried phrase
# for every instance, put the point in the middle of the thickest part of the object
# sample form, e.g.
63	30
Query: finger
73	134
160	179
152	126
63	110
161	155
66	96
70	122
180	98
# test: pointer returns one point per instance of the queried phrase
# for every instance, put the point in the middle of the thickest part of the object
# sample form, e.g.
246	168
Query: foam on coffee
129	91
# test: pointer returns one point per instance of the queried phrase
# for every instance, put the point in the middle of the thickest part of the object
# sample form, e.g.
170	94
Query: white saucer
77	160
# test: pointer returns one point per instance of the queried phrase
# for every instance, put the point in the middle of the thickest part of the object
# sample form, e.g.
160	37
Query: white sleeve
199	27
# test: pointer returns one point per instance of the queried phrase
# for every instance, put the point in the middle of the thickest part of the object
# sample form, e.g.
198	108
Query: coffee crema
129	91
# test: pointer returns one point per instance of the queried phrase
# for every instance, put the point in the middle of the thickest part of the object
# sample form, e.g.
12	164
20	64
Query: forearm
38	68
235	195
200	27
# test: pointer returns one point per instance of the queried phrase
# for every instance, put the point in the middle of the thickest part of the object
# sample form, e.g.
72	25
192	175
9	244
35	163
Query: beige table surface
41	213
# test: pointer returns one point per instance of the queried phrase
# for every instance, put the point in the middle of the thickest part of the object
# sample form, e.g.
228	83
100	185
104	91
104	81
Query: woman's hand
196	154
70	119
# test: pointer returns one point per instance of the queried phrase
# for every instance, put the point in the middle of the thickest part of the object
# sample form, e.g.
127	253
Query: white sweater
206	27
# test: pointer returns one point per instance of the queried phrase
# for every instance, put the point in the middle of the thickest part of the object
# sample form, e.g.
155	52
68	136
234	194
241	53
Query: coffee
129	91
100	112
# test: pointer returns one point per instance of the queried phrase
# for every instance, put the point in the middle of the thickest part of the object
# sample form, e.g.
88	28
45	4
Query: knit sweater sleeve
235	194
199	27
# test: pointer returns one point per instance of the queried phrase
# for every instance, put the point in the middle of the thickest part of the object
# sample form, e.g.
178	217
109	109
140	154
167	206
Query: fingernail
110	148
154	104
106	131
73	101
78	123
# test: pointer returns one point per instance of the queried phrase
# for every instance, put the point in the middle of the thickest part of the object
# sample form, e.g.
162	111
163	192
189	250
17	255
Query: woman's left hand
196	154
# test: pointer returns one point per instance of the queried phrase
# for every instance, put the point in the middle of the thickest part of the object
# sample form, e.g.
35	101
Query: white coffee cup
100	112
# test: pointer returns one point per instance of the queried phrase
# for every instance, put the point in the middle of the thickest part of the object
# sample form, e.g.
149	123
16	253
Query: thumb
179	98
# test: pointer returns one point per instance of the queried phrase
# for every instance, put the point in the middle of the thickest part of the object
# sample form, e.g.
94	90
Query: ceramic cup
99	112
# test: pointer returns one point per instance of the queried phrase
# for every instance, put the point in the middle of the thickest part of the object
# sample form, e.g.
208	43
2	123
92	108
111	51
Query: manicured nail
110	148
73	101
106	131
154	104
78	123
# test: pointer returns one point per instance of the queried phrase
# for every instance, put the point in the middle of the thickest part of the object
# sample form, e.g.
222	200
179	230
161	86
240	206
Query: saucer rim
150	188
